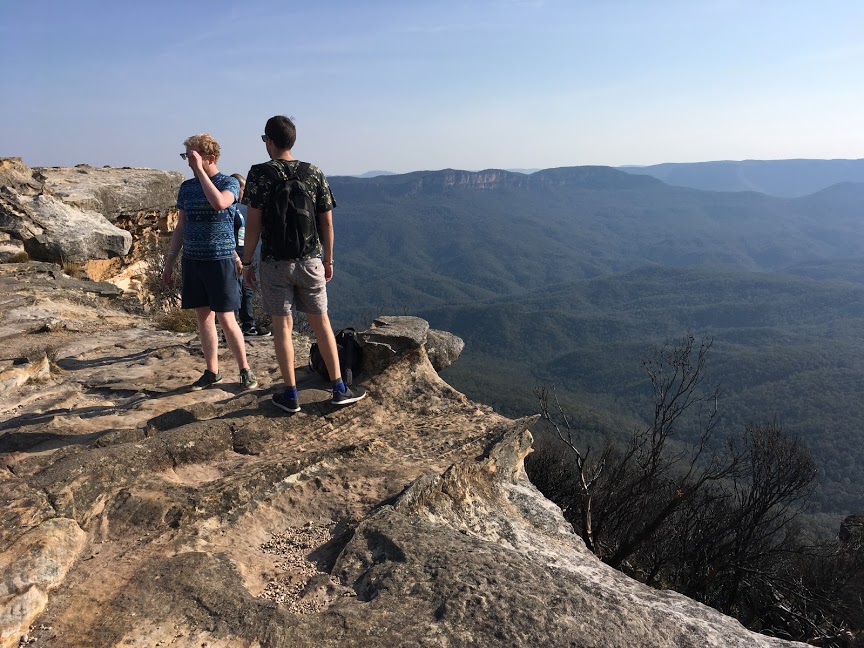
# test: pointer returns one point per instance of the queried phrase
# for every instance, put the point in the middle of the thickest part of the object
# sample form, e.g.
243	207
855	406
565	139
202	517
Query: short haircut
281	132
240	179
204	144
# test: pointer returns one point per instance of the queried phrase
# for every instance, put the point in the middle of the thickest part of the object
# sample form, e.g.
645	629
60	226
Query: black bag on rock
350	356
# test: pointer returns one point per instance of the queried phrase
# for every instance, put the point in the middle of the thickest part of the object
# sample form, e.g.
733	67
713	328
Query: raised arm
218	200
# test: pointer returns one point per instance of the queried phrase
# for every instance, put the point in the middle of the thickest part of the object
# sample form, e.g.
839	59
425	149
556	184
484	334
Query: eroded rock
111	191
443	348
33	566
139	512
52	230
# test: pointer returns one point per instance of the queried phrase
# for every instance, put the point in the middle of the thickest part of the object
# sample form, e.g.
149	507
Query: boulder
391	336
54	231
443	348
113	192
18	176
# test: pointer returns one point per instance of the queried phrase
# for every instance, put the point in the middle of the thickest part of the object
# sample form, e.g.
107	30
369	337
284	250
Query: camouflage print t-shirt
259	185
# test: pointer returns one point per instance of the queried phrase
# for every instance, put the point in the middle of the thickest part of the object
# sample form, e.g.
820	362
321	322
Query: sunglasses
185	155
263	138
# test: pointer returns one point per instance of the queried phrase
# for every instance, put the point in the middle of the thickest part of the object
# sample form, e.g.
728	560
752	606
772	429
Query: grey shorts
300	284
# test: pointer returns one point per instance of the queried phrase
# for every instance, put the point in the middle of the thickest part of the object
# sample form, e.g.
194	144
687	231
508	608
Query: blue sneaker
285	402
348	396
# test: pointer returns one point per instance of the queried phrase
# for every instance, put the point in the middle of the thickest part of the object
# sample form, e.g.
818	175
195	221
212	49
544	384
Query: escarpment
137	512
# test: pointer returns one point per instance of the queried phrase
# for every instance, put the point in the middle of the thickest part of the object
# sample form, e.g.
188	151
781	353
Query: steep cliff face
136	512
449	180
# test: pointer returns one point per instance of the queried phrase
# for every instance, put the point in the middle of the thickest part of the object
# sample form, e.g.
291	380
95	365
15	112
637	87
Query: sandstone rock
17	376
137	512
52	230
32	567
11	249
443	348
53	210
390	337
18	176
113	192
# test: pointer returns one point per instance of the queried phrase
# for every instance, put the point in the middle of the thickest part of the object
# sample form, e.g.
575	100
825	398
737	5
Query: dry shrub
39	351
178	320
19	257
74	269
159	298
262	319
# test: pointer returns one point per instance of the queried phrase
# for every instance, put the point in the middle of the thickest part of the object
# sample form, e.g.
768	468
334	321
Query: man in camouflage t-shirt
299	283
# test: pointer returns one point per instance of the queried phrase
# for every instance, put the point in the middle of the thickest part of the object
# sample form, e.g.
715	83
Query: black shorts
211	283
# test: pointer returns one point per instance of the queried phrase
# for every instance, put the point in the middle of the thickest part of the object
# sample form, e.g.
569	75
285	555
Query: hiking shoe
350	395
287	403
247	379
207	378
253	333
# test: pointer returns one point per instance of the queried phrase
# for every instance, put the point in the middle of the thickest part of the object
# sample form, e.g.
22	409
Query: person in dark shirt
299	283
246	313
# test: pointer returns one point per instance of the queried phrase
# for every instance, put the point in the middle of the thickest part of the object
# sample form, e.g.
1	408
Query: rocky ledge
71	214
138	513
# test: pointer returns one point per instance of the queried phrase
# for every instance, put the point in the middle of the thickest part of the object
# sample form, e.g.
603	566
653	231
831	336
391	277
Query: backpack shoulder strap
302	171
274	170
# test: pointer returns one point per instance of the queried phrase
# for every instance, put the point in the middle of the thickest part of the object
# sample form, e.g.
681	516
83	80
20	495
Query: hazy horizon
525	84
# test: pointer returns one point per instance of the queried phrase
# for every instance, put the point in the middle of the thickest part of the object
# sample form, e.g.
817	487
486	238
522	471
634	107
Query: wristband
247	265
330	262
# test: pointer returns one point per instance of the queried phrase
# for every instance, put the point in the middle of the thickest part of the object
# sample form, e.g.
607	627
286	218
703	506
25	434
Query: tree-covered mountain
430	238
570	276
785	348
786	178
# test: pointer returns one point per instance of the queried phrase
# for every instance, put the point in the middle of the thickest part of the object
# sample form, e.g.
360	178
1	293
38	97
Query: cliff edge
138	513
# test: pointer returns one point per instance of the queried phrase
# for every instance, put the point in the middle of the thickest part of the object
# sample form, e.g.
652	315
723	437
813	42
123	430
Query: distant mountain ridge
782	178
454	235
792	178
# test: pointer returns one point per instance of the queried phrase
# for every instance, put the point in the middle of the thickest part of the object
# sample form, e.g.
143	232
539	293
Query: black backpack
350	356
289	220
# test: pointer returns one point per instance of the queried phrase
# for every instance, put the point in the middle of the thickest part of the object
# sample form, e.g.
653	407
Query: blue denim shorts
212	283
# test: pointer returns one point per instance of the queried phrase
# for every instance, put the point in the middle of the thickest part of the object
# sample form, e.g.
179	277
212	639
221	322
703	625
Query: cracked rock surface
138	513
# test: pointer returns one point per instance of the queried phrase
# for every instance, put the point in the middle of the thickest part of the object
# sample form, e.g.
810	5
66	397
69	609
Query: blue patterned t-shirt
208	233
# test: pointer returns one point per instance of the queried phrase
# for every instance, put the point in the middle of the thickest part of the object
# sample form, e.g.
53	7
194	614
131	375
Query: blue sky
403	85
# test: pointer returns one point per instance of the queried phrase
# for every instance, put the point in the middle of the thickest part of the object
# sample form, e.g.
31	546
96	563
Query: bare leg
207	333
284	346
234	338
320	323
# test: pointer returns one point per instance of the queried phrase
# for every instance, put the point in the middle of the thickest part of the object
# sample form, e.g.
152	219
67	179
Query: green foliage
566	276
